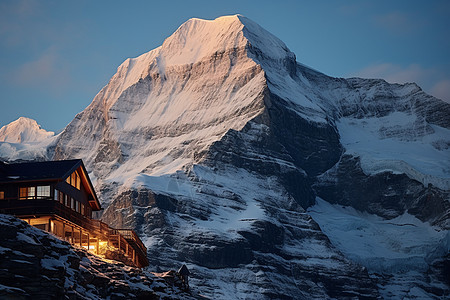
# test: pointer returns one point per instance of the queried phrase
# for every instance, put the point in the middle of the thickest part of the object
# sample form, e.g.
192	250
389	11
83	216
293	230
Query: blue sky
57	55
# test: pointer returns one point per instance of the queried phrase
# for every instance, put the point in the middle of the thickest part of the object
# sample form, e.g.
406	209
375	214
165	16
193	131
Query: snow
24	130
24	139
227	216
392	246
393	143
26	238
194	41
52	264
8	289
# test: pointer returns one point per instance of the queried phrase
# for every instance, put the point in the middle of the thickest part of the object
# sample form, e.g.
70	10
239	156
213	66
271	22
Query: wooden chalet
58	196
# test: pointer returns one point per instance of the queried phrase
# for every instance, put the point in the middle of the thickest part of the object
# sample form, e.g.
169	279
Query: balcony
123	240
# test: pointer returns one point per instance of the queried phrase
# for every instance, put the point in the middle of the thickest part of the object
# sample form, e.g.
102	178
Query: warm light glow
90	247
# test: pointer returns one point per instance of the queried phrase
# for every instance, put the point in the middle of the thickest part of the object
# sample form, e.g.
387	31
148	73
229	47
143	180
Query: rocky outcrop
385	194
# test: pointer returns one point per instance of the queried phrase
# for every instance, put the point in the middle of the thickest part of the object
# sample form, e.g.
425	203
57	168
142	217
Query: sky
55	56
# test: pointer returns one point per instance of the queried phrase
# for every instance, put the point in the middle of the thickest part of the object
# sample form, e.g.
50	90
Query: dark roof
46	170
184	270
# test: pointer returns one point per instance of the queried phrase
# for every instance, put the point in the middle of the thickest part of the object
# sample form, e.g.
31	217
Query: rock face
218	146
35	265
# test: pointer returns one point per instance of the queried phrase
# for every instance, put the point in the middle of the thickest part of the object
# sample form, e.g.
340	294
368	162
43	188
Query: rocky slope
216	146
36	265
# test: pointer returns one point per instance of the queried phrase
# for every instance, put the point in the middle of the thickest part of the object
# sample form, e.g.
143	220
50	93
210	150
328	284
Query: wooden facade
58	197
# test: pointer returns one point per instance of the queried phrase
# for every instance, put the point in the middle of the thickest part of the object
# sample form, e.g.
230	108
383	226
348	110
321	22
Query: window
67	200
23	193
31	192
2	195
72	203
27	192
61	197
77	206
43	192
56	195
82	209
74	180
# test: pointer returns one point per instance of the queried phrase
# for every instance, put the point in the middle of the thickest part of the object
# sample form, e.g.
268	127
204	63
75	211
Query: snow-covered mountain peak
198	40
24	130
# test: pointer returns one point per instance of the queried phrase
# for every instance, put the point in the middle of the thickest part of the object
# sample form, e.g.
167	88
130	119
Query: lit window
74	180
27	192
23	193
78	185
61	197
43	192
77	206
31	192
2	195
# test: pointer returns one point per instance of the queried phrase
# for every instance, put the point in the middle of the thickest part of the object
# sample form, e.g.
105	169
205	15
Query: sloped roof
57	170
184	270
45	170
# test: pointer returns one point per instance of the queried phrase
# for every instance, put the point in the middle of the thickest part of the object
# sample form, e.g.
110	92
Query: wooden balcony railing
130	235
42	207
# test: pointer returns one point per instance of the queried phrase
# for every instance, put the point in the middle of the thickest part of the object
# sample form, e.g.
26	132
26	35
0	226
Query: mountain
269	179
24	139
24	130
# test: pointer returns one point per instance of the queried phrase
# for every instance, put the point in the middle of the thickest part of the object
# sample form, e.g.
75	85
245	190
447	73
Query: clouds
49	72
394	73
432	80
38	44
441	90
397	22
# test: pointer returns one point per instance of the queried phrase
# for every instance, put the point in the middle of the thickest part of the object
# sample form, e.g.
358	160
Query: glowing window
31	192
27	193
74	180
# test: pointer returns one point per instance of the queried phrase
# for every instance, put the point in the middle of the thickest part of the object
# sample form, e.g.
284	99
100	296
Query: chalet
58	196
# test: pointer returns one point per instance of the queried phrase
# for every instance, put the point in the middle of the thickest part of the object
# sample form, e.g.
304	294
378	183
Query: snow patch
388	246
411	153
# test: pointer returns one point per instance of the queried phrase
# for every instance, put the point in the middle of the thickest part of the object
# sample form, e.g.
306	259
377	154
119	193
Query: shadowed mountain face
215	146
